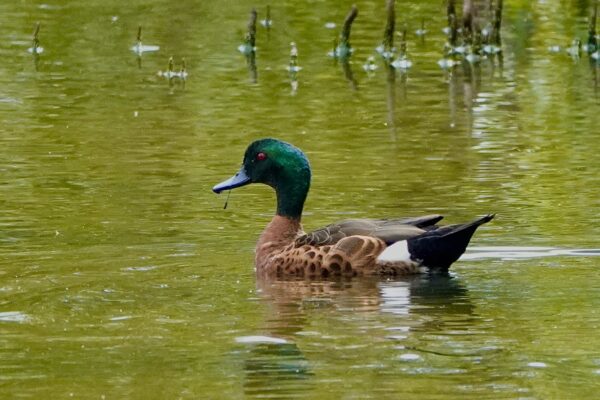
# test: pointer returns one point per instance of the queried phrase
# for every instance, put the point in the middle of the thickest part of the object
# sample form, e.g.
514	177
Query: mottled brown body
282	250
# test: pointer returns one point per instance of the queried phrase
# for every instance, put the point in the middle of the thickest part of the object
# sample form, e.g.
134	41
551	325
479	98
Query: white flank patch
398	252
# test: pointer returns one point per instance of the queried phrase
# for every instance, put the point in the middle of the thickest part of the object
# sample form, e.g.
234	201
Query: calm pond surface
121	276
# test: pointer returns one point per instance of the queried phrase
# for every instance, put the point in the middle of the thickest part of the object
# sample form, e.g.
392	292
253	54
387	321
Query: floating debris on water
447	63
469	43
401	63
386	54
370	65
140	48
120	318
409	357
293	66
475	51
144	48
267	22
487	30
114	18
537	364
140	269
340	51
554	49
249	46
246	49
330	25
344	49
421	31
36	48
170	73
492	49
575	49
473	58
458	50
386	48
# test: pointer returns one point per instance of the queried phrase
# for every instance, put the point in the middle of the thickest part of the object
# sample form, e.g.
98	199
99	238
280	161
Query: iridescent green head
280	165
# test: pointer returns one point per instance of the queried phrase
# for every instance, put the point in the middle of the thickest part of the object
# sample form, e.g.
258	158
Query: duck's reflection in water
276	364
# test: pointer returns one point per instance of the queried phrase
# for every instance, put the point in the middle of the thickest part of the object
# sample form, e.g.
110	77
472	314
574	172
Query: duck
348	248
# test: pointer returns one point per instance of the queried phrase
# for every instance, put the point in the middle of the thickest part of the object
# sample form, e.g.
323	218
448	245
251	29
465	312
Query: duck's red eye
261	156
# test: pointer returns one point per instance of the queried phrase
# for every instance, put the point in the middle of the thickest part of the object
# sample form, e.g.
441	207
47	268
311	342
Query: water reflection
523	252
279	369
348	74
422	294
391	96
279	362
251	63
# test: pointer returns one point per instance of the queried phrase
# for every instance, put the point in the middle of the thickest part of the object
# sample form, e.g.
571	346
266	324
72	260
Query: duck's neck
280	232
291	194
281	229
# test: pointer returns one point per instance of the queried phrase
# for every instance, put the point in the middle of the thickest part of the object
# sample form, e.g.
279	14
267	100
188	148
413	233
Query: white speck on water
330	25
121	318
537	364
114	18
259	340
135	114
48	7
36	50
410	357
146	268
139	48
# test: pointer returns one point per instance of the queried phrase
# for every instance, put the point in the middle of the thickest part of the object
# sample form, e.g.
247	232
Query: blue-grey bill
239	179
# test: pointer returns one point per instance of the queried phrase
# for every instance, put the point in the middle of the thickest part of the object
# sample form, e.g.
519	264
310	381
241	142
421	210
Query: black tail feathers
439	248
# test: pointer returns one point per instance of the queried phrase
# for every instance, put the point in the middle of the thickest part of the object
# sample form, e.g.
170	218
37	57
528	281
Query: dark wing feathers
390	230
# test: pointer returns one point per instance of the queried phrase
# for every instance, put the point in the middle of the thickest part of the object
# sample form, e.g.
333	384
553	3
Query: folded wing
388	230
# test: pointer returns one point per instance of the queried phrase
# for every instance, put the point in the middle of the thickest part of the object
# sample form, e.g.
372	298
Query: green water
121	276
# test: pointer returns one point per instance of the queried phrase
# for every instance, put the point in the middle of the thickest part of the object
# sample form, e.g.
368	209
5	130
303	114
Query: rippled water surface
121	276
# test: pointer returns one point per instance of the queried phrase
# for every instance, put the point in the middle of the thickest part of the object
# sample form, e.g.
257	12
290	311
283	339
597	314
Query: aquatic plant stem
592	40
388	34
497	38
252	29
345	35
36	41
467	21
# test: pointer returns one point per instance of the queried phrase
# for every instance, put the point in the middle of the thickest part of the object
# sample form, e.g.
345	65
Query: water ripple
524	252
